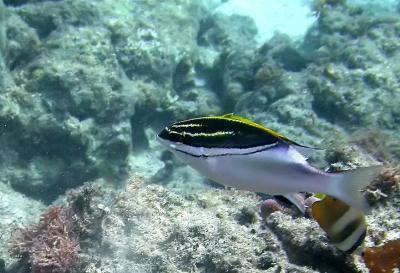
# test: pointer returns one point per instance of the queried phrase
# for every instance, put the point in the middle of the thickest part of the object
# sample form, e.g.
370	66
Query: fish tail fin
350	183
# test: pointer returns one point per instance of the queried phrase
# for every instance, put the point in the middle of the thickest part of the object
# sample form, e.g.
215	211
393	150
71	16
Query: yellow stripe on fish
263	128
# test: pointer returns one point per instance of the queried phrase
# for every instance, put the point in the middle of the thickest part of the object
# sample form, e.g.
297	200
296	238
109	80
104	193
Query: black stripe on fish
347	231
359	242
217	132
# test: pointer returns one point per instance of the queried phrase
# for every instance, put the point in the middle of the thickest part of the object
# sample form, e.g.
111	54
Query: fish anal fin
296	199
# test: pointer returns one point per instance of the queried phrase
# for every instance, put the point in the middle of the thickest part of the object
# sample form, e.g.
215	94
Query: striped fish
345	226
240	153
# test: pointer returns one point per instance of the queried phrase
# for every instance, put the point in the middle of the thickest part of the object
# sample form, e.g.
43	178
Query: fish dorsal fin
232	116
304	150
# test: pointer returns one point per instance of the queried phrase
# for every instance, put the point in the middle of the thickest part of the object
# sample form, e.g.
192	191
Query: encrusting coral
384	258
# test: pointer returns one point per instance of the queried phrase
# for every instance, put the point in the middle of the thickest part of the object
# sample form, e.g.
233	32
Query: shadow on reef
322	261
15	2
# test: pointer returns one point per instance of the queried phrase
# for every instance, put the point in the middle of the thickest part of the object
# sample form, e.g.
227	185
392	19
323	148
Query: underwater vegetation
54	244
50	246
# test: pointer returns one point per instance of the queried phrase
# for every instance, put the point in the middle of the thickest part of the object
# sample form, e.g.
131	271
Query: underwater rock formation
81	86
151	229
341	77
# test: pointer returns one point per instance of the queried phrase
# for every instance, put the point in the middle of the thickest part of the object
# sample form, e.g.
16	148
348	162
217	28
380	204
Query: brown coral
50	246
383	259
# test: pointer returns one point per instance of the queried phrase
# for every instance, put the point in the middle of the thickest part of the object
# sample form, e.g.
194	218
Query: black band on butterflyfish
347	231
216	132
359	241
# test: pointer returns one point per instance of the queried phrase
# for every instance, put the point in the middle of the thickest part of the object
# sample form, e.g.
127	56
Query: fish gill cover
86	85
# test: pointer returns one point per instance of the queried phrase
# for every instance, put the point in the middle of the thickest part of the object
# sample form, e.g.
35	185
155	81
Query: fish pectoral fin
296	199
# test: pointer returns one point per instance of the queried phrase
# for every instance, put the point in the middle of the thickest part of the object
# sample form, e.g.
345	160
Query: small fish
240	153
345	226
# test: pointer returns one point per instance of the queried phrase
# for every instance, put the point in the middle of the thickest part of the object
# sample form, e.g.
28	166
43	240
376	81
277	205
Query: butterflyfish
345	226
237	152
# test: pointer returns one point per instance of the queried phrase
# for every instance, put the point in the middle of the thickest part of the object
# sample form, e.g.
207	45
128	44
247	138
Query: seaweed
49	246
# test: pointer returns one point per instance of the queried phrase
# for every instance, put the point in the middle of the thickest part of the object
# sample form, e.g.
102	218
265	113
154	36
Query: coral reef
85	86
382	145
151	229
2	28
337	80
148	228
90	85
83	80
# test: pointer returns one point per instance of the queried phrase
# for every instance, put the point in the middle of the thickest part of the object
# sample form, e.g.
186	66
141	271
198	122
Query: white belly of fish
273	171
